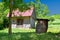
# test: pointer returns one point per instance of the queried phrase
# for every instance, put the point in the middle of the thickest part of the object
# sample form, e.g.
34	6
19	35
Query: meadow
53	33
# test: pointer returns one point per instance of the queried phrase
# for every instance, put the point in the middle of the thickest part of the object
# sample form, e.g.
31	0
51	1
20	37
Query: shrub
5	22
1	26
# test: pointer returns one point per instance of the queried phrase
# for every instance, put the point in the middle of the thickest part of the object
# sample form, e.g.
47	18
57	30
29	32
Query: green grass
29	34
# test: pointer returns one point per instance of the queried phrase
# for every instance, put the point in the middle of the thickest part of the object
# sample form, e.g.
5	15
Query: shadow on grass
30	36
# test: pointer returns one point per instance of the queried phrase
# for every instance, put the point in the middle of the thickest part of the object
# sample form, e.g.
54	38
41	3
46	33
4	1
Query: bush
4	24
51	19
1	26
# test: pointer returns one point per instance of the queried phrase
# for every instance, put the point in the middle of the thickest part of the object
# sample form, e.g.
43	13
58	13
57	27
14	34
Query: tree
41	10
12	5
10	30
8	4
1	15
1	12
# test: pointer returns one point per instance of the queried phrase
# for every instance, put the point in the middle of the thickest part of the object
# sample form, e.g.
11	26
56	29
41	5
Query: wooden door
19	22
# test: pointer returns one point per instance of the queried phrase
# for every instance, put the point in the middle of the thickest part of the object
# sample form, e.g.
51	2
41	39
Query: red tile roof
18	13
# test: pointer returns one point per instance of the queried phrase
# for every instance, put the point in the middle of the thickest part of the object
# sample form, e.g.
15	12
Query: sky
53	5
0	0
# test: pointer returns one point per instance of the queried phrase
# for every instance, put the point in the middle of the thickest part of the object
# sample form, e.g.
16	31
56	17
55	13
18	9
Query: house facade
24	19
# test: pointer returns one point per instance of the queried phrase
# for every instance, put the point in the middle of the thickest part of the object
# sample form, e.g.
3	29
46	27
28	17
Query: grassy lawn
29	34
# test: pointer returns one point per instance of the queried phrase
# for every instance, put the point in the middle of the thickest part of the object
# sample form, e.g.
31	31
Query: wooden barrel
42	25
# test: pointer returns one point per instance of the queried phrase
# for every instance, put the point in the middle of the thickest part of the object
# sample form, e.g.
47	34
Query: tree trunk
10	14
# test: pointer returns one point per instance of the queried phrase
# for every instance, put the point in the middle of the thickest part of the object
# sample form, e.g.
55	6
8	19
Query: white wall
13	23
26	23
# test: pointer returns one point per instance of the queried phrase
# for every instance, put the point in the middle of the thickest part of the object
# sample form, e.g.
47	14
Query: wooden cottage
25	19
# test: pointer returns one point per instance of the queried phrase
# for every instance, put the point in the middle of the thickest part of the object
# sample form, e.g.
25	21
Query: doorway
19	22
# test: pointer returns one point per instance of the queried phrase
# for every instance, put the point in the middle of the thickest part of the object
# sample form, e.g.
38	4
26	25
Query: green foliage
5	22
3	13
51	19
6	3
16	4
1	26
41	10
42	13
54	17
20	5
